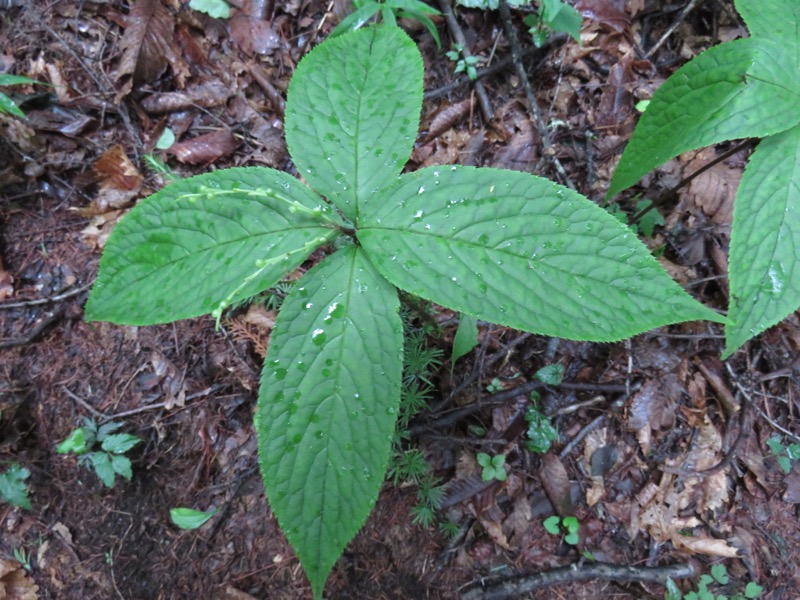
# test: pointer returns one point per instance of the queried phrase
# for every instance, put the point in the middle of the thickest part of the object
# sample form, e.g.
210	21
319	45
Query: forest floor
636	419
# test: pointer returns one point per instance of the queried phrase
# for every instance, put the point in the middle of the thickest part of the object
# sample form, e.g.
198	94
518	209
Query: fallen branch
516	587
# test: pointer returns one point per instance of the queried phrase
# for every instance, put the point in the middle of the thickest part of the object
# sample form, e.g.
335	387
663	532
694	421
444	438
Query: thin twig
518	586
678	20
687	180
84	404
497	67
34	333
458	36
49	300
516	54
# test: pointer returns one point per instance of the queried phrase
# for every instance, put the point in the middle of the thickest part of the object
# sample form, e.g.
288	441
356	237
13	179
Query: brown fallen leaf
205	149
15	583
206	95
556	484
148	46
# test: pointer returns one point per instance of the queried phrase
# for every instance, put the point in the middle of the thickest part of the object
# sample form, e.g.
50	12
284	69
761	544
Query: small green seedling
23	557
494	467
12	486
218	9
7	105
389	11
785	454
503	246
541	432
567	526
739	89
550	374
553	15
464	63
717	579
188	518
110	460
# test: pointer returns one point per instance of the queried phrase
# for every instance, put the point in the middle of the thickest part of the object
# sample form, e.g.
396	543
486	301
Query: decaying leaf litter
637	420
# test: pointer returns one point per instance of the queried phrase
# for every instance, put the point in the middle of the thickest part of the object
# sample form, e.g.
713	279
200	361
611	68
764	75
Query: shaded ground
636	419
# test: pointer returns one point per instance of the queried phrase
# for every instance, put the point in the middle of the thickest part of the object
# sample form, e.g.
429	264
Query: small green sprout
541	432
784	454
110	460
494	467
23	557
464	63
570	526
12	486
719	577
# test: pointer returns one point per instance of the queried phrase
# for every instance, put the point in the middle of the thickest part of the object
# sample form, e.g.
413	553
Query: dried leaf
447	118
206	95
148	46
205	149
15	583
251	33
556	484
714	190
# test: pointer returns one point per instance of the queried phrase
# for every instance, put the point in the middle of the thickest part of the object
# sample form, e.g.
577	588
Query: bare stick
516	54
516	587
49	300
678	20
458	36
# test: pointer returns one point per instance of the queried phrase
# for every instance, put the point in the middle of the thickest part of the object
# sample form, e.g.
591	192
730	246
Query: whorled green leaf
744	88
776	20
764	263
8	106
521	251
327	406
204	242
352	113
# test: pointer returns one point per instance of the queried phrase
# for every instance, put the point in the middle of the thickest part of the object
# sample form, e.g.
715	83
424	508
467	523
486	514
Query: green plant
743	88
784	454
7	105
110	460
557	16
503	246
463	63
218	9
495	385
23	557
12	486
567	526
188	518
389	10
541	432
494	467
718	577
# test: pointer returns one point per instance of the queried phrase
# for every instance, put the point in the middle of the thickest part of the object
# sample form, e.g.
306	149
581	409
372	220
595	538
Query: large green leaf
521	251
776	20
764	260
352	113
744	88
204	242
327	406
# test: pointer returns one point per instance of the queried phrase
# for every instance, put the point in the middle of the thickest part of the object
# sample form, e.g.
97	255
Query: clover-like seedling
568	526
494	467
501	246
740	89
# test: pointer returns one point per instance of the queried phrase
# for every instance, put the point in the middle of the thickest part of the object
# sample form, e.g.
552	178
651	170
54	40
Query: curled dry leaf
205	149
556	484
250	31
206	95
120	182
447	118
148	46
15	583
